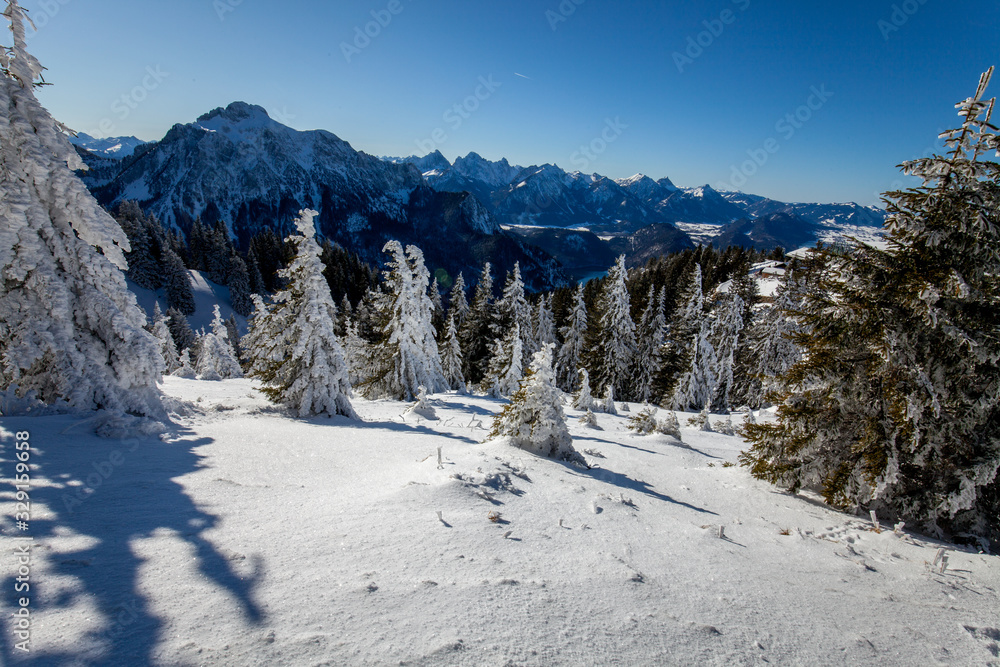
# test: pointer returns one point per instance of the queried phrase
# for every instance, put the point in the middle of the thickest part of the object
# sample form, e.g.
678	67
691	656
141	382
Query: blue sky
698	92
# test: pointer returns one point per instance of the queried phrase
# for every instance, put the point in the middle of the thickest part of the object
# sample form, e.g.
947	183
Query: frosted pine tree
583	400
216	355
185	368
608	402
767	350
680	353
894	404
437	307
474	334
451	355
357	353
505	367
697	384
615	345
513	309
168	350
544	323
574	346
406	356
725	339
293	347
652	336
70	330
457	301
534	418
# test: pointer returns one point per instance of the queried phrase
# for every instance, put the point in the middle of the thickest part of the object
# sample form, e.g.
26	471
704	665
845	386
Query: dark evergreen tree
178	284
180	329
475	335
895	406
239	286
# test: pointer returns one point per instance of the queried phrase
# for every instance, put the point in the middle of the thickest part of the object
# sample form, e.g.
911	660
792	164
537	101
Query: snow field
245	537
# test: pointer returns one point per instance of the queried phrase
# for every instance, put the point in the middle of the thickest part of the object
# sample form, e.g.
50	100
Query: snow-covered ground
244	537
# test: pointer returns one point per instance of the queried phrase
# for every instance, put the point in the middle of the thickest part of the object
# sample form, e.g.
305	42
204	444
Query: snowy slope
243	537
206	295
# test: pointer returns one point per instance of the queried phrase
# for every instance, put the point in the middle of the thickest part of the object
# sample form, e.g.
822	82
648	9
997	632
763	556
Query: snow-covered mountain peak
238	120
115	148
476	167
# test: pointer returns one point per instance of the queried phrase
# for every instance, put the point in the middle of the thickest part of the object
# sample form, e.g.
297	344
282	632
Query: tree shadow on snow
402	428
626	482
132	496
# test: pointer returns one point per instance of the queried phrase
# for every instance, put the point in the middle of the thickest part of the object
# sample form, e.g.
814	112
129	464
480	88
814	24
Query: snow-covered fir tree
684	326
652	337
257	339
475	333
894	404
697	384
437	306
458	303
608	402
725	339
168	349
356	350
544	323
451	355
293	347
70	330
689	353
405	357
505	366
767	350
534	418
216	355
574	336
513	310
185	367
233	332
614	346
583	400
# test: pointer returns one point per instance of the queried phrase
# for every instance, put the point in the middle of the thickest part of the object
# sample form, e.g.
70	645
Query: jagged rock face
240	166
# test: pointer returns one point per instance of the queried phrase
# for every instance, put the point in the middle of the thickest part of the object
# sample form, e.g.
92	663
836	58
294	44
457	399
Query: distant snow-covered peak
238	120
116	148
475	167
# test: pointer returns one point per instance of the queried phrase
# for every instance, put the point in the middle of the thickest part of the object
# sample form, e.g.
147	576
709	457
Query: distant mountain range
115	148
238	165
